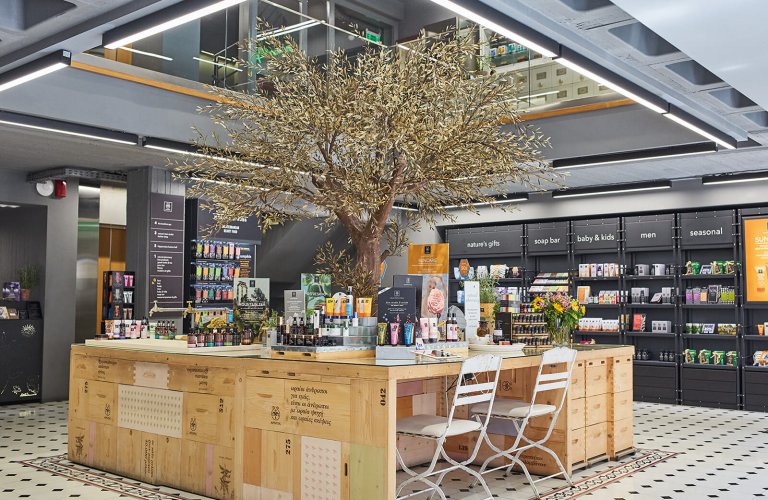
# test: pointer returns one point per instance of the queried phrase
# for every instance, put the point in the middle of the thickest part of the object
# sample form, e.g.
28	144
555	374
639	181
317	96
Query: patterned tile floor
721	454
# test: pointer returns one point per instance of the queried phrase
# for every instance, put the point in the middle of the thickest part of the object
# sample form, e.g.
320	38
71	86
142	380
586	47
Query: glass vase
559	335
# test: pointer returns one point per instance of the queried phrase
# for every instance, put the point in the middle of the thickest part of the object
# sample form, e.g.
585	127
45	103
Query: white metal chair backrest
556	380
477	382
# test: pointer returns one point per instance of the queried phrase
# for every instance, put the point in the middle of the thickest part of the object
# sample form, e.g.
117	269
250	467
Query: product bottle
408	331
394	332
172	335
350	303
381	331
450	329
192	338
434	333
345	325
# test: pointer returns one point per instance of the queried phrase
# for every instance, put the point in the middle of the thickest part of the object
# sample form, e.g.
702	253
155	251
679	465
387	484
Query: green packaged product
705	357
718	357
732	358
690	356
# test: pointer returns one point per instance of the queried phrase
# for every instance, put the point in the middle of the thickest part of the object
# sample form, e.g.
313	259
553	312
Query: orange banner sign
756	259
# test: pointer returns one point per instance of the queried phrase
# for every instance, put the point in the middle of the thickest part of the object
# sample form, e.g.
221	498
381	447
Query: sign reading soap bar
706	228
596	235
485	241
547	238
397	301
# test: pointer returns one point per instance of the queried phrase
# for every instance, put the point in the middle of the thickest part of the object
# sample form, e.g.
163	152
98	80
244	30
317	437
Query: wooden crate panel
597	440
621	374
404	407
596	409
371	409
252	456
117	371
620	436
366	481
208	419
576	413
307	408
207	469
577	451
158	411
129	449
322	470
151	375
92	444
540	462
280	461
485	451
168	469
577	387
596	377
98	400
203	379
621	406
416	450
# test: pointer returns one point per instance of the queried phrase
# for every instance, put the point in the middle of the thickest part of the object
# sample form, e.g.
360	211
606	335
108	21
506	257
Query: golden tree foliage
348	140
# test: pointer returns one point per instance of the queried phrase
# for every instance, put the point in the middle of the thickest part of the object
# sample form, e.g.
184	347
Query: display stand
22	344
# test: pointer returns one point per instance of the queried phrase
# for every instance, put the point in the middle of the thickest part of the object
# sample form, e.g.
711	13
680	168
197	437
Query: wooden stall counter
253	427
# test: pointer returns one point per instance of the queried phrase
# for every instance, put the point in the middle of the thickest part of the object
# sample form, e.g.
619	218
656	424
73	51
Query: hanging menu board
245	229
166	250
486	241
755	231
649	231
596	235
246	261
706	228
548	238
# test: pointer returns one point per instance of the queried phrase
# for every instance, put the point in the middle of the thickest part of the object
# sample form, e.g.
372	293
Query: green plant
29	277
487	293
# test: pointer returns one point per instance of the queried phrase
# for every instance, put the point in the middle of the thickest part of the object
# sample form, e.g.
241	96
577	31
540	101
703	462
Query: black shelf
498	280
214	303
603	306
585	278
708	306
756	338
651	362
221	283
649	305
750	368
651	277
597	334
709	336
706	276
709	367
206	259
112	287
653	335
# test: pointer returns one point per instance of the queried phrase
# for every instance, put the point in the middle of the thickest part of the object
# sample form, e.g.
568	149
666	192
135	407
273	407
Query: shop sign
701	229
166	250
415	281
603	236
549	239
506	241
652	233
245	229
294	305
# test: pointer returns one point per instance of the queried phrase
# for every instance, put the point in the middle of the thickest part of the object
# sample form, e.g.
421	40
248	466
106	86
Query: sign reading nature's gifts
431	262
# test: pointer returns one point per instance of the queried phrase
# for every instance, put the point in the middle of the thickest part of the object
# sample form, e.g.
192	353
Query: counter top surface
265	355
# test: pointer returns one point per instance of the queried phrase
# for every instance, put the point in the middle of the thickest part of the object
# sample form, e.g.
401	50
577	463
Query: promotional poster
316	288
251	298
756	259
431	262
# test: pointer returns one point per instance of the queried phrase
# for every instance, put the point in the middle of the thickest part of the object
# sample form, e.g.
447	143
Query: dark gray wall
60	262
22	243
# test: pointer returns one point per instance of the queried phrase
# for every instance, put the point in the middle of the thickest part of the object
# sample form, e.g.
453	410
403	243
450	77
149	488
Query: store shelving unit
671	239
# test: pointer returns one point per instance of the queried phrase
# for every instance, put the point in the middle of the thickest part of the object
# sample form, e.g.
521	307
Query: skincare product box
661	326
642	269
610	325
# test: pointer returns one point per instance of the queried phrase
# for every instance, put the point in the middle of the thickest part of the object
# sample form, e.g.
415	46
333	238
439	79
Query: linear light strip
150	54
699	131
613	86
217	64
32	76
604	193
288	29
485	203
476	17
733	181
68	132
628	160
159	28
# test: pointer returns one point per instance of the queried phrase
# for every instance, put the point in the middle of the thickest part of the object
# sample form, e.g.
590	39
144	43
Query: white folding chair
520	413
476	384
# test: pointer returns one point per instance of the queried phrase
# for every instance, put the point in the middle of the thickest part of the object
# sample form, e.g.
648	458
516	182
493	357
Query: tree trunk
369	259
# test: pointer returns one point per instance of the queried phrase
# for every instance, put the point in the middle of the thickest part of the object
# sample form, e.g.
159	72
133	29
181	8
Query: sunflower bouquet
561	314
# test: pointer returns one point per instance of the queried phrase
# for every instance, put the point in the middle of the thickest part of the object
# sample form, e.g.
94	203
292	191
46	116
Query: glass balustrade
211	50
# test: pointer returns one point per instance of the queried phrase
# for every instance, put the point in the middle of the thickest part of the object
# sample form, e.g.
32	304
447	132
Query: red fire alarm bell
59	189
